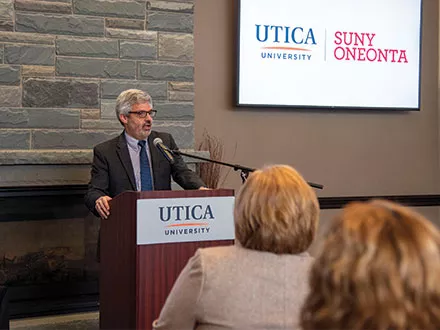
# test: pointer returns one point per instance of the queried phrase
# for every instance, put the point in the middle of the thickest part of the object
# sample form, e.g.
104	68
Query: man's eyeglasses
143	114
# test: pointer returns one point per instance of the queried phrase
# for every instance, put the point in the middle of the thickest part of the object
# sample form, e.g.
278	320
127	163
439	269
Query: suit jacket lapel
124	156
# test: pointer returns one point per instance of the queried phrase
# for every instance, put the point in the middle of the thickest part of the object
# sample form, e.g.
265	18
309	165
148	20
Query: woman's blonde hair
276	211
378	269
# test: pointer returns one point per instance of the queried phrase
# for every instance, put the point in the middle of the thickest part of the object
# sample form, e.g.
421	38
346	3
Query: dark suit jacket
112	171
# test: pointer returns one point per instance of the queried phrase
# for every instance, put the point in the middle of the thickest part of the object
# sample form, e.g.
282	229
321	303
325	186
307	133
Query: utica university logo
186	219
285	42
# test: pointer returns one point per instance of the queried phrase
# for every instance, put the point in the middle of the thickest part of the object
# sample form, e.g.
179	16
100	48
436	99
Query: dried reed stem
210	172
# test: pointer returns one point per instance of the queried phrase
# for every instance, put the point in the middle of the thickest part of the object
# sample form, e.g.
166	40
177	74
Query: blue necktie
146	182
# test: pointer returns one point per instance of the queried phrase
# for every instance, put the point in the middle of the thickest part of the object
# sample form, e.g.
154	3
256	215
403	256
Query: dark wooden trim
67	202
327	203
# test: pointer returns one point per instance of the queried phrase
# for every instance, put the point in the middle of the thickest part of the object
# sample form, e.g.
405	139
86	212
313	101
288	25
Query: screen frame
312	107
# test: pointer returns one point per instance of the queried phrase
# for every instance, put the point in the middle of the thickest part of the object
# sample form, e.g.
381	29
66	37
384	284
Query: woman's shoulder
218	251
211	257
237	251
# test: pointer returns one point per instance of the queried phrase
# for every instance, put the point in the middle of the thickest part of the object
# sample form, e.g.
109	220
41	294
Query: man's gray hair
130	97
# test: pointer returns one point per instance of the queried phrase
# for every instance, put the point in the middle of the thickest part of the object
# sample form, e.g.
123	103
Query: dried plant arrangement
211	173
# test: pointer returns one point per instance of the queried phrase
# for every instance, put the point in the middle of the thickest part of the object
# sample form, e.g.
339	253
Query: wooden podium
136	279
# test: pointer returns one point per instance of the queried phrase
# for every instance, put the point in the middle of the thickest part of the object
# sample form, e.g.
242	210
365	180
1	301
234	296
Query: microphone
158	143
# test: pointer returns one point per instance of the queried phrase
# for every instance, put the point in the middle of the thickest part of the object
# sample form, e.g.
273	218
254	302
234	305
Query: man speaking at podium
131	161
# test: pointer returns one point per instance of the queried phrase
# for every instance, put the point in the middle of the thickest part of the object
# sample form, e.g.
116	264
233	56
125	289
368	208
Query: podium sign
184	220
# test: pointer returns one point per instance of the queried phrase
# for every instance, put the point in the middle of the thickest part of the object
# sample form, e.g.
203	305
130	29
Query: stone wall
63	63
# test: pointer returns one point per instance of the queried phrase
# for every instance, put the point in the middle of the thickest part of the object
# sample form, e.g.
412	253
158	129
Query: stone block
169	21
64	1
70	139
17	37
43	6
44	157
7	9
170	6
112	88
181	96
131	24
6	25
182	132
166	72
101	124
53	93
176	47
39	118
47	174
37	71
55	24
1	53
87	47
10	96
90	114
174	111
9	75
12	139
108	109
121	8
78	67
131	34
30	54
181	86
138	50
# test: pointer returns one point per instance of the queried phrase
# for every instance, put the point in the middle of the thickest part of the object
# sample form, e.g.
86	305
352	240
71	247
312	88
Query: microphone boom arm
244	170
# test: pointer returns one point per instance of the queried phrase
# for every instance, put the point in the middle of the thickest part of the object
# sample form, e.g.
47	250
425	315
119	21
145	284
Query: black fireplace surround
47	203
67	202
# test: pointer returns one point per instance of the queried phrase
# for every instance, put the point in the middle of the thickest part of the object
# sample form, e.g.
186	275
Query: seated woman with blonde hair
378	269
261	281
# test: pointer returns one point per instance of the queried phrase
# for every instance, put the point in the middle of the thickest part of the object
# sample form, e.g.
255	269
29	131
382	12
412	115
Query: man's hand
103	207
204	188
